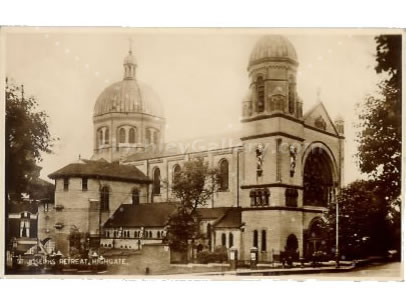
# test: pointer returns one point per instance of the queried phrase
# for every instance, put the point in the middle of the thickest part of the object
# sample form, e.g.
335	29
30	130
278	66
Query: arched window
121	135
104	198
148	136
131	135
230	240
255	239
260	94
156	137
156	186
263	240
159	234
176	170
100	137
135	196
106	136
223	239
223	179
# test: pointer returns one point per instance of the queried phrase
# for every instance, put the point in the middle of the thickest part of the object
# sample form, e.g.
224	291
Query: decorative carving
320	123
259	152
292	153
277	103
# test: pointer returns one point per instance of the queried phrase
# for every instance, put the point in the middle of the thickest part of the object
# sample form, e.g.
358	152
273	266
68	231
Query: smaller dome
273	47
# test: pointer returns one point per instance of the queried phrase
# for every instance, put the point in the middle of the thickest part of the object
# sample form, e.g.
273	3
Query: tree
379	138
193	185
363	229
27	137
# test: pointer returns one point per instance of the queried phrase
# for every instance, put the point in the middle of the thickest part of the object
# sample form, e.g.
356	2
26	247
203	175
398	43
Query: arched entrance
315	237
318	177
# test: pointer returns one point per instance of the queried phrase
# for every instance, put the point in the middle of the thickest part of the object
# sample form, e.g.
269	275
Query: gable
319	118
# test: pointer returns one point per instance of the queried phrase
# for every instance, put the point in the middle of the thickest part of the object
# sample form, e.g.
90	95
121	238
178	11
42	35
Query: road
388	271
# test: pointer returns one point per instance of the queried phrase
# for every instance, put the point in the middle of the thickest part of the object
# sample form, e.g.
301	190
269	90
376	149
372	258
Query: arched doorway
315	237
318	180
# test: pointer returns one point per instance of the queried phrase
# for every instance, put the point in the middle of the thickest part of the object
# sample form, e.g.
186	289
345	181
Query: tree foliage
363	226
27	137
194	185
379	138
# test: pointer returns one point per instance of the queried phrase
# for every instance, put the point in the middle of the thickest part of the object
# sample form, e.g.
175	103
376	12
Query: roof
272	47
141	215
23	206
212	213
232	219
196	145
128	96
102	169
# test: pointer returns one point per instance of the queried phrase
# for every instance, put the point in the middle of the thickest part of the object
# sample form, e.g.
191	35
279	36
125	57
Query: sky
200	76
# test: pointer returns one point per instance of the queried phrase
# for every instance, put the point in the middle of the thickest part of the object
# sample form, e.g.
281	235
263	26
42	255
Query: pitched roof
195	145
232	219
102	169
141	215
212	213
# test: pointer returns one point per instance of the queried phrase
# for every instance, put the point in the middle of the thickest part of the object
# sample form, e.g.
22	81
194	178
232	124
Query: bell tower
272	124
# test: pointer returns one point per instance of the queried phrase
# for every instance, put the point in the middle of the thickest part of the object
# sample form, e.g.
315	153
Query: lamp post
337	254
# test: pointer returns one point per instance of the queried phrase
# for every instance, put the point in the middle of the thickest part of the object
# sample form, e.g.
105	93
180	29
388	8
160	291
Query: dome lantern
130	65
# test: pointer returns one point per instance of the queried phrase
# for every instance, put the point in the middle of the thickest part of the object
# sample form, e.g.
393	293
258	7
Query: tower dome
128	117
273	47
128	95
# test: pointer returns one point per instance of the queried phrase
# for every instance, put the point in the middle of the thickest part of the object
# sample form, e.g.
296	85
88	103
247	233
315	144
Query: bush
218	256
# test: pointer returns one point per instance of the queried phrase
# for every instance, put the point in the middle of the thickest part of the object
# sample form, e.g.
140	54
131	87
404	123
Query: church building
277	175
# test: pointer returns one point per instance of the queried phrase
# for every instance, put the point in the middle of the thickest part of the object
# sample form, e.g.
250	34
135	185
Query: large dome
128	96
273	47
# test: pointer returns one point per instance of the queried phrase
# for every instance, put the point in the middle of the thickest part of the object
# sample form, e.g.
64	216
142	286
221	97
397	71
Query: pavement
374	271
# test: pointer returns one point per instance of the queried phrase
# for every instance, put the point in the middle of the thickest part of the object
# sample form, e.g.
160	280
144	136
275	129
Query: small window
106	136
260	94
175	172
230	240
156	187
135	196
223	239
65	184
121	135
255	239
224	175
104	198
263	240
131	135
159	234
84	184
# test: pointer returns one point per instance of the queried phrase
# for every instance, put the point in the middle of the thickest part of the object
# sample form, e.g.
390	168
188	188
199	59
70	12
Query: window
159	234
135	196
230	240
255	239
156	186
291	197
65	184
84	184
260	94
148	136
260	197
25	224
263	240
223	179
121	135
131	135
223	239
106	136
104	198
209	231
175	172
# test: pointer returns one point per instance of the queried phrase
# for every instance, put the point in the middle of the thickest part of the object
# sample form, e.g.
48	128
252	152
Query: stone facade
282	169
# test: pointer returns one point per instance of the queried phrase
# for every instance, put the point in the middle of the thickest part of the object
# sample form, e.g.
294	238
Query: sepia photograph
203	153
